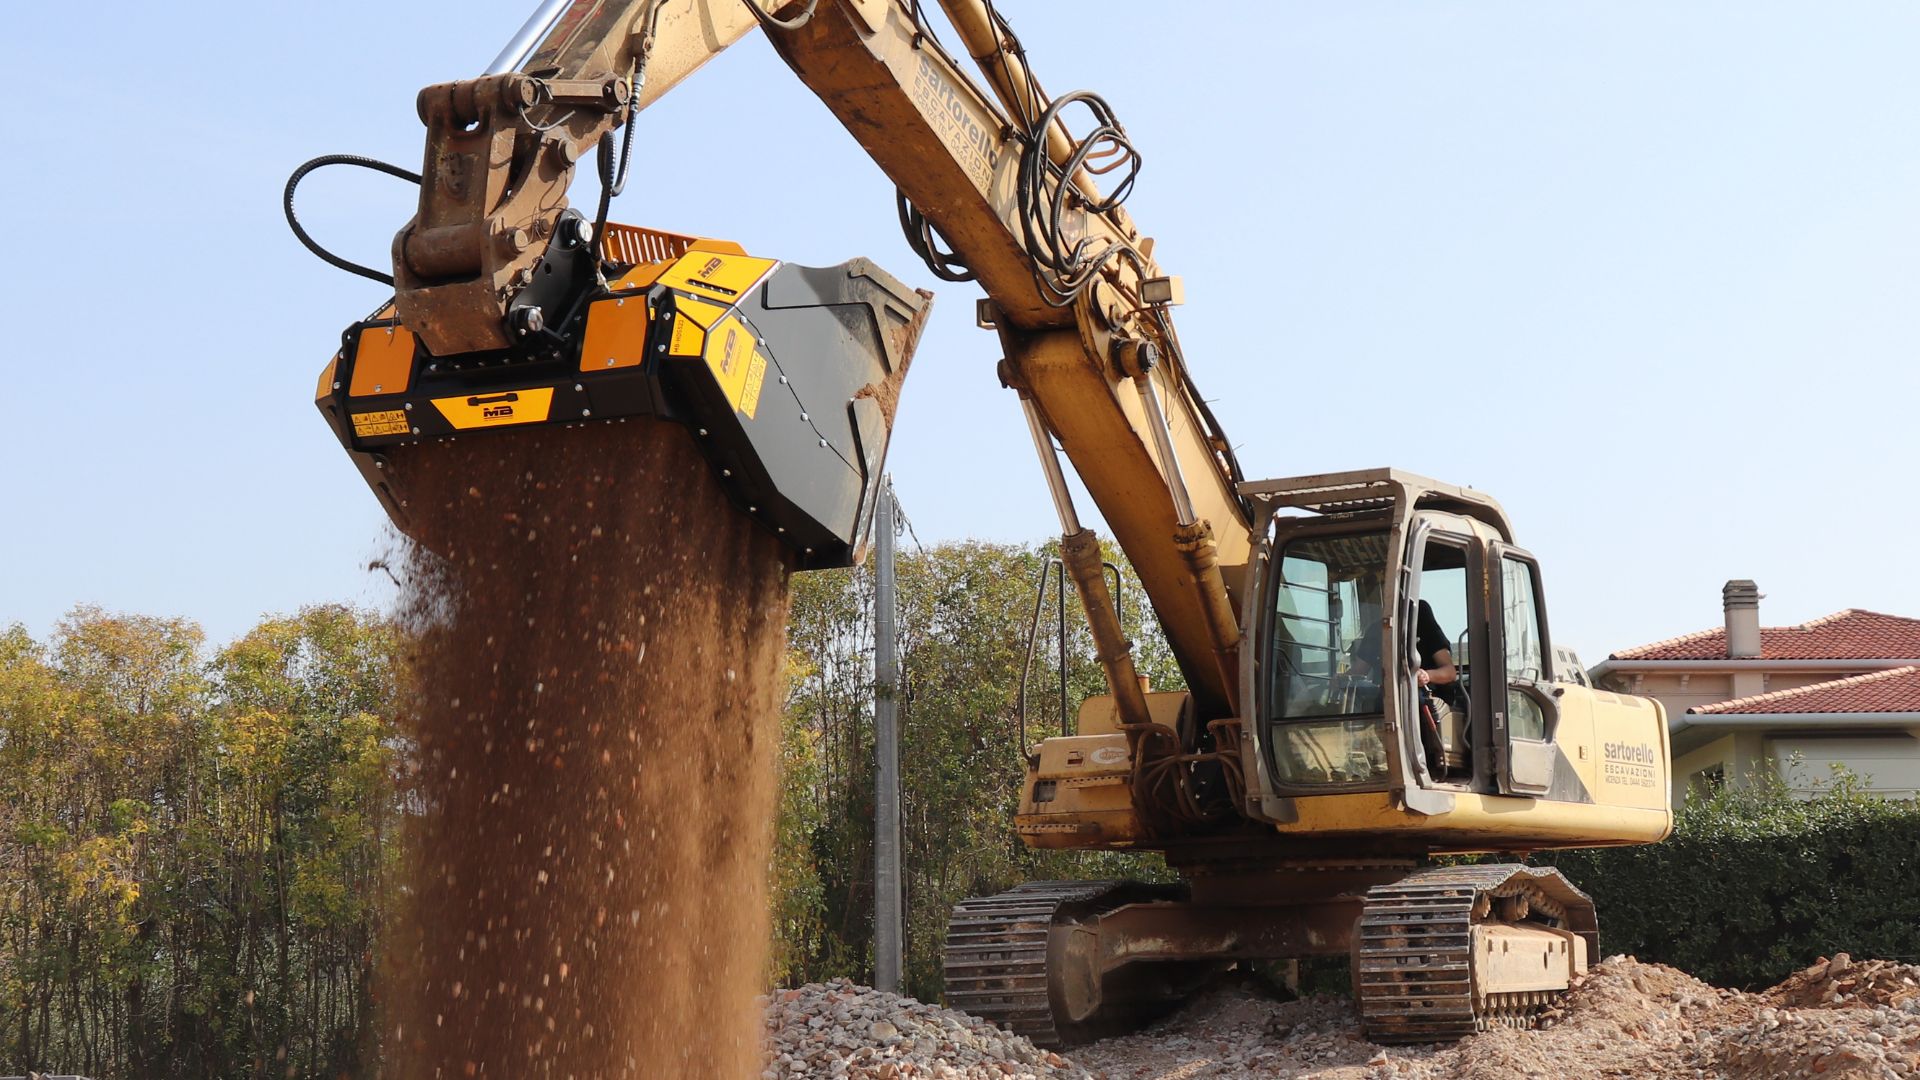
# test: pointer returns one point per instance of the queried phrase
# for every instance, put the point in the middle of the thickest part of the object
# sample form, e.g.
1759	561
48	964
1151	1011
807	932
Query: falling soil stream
598	681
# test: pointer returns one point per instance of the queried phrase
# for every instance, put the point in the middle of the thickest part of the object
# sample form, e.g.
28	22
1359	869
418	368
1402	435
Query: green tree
966	611
192	847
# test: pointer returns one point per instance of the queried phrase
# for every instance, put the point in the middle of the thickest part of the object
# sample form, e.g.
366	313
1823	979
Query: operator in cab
1436	653
1438	678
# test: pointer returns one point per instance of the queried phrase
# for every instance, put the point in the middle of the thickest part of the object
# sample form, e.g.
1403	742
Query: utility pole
889	923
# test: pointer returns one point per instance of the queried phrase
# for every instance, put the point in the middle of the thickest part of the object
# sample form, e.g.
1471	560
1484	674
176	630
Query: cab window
1443	592
1325	662
1525	656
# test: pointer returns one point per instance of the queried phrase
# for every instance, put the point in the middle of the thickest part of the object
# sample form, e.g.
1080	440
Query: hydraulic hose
293	220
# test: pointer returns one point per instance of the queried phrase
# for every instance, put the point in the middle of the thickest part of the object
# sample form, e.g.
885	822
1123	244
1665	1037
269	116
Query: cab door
1527	715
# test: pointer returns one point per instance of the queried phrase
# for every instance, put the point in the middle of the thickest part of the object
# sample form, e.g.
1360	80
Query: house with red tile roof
1789	700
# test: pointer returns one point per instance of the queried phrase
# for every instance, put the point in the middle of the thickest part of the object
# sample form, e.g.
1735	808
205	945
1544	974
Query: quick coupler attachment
785	376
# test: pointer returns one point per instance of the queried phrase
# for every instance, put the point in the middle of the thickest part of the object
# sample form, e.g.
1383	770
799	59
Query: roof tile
1852	634
1893	690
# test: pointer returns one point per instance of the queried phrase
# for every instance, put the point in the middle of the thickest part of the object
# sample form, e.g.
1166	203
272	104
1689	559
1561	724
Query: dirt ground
1626	1019
1838	1018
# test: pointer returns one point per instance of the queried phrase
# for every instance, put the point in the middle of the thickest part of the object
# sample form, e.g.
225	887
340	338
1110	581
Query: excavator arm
1082	309
502	149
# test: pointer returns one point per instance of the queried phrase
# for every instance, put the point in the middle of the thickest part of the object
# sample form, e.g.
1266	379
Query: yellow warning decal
391	422
716	274
497	410
750	394
730	357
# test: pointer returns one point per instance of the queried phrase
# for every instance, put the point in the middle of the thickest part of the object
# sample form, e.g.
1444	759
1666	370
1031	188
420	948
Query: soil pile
598	696
1625	1019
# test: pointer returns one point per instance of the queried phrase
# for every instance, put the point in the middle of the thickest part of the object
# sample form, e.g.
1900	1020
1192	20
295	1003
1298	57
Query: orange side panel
616	334
326	380
383	364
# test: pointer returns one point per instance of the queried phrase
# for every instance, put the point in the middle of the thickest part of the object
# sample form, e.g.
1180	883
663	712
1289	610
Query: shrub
1757	883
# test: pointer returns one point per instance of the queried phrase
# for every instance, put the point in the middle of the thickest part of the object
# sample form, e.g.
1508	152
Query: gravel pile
841	1029
1858	1020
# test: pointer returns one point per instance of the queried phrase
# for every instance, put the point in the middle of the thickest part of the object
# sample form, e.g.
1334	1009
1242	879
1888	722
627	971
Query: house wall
1892	760
1886	764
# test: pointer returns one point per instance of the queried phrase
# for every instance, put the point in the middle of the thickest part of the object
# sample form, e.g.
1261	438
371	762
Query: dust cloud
598	691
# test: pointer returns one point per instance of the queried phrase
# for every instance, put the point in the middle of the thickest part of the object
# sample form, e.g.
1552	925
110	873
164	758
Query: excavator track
1413	952
996	960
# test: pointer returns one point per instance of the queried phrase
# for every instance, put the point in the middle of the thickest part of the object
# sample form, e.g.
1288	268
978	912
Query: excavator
1370	678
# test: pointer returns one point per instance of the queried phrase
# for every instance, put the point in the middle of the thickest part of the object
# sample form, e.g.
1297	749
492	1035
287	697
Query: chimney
1742	602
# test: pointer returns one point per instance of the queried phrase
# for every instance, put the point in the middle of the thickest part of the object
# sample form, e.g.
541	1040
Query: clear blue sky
1646	271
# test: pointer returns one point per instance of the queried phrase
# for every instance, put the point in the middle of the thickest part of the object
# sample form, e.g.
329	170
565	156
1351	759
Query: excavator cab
1391	574
1389	578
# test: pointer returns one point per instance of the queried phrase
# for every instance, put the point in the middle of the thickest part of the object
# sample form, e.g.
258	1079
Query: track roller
1451	951
1021	959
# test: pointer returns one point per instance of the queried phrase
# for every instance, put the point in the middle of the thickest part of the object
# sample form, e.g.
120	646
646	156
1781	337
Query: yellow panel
326	379
716	274
1481	822
388	422
497	410
729	355
640	276
616	334
688	338
703	315
724	247
383	363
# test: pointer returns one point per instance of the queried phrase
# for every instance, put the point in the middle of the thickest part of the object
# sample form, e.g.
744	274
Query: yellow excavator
1370	675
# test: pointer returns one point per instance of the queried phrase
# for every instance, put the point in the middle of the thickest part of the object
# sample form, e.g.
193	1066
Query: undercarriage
1438	953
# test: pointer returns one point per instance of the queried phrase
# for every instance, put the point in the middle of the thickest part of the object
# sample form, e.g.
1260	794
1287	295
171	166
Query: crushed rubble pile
844	1030
1844	983
1840	1018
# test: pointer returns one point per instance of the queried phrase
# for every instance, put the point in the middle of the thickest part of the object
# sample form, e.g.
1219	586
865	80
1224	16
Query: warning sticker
750	394
391	422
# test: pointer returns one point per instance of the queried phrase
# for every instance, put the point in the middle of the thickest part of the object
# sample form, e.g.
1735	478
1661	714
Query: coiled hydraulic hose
293	220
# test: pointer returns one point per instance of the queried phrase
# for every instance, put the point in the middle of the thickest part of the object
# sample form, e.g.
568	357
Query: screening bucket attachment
780	372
